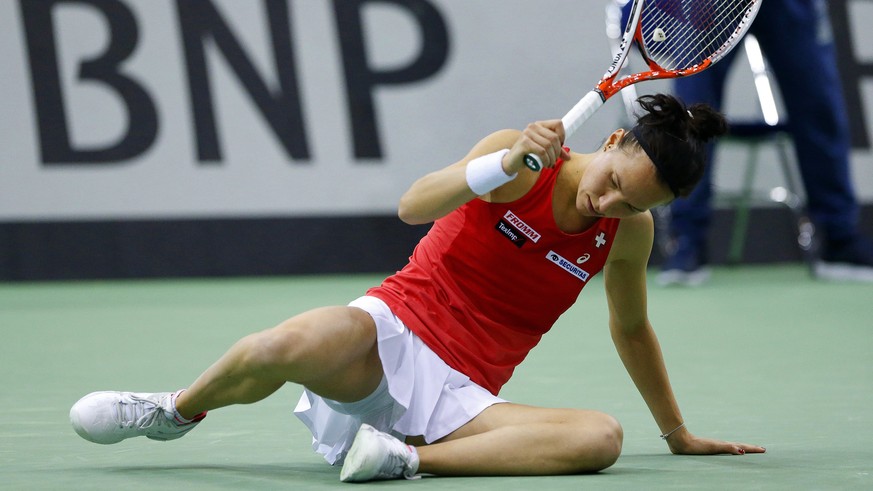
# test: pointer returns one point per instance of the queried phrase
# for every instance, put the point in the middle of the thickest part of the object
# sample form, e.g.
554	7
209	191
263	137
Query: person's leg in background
797	35
687	257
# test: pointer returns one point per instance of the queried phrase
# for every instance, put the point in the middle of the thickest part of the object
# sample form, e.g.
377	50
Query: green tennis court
761	354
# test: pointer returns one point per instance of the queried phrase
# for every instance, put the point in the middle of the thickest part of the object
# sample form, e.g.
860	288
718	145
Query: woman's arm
635	340
439	193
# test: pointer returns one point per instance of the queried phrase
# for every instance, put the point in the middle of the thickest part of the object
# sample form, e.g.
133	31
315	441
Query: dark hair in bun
675	137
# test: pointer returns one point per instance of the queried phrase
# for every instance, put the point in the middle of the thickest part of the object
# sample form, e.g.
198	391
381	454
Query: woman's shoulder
634	238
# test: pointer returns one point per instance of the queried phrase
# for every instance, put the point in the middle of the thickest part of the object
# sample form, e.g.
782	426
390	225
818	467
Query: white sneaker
109	417
843	272
679	277
376	455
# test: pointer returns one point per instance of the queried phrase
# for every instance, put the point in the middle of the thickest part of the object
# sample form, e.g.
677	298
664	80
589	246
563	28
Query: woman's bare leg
511	439
332	351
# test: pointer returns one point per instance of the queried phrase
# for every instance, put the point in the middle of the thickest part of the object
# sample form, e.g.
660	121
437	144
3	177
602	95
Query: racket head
677	38
680	35
627	40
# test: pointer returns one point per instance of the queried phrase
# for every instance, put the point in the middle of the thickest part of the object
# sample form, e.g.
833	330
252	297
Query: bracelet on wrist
674	430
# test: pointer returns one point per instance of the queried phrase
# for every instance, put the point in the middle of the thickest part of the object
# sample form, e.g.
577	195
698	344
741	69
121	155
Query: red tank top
489	279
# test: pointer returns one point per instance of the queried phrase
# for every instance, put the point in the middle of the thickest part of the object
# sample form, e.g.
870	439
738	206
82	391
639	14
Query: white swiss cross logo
600	239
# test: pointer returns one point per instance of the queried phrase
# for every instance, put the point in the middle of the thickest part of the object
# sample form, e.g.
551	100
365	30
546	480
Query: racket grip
584	109
533	162
580	113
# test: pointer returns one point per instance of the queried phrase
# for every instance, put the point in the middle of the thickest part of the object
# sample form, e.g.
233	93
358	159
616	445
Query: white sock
178	417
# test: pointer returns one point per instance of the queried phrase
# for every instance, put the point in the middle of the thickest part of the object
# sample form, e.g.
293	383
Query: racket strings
679	34
695	35
696	28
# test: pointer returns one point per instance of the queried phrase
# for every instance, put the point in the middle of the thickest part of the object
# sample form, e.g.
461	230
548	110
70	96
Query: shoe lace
140	412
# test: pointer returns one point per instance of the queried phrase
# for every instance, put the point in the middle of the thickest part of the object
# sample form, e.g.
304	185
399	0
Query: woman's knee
602	442
610	438
309	345
272	349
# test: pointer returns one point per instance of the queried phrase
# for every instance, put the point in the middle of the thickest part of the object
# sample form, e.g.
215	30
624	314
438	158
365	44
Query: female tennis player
404	380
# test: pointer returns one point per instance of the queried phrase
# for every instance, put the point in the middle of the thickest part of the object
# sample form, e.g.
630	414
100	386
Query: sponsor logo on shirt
511	233
567	266
522	227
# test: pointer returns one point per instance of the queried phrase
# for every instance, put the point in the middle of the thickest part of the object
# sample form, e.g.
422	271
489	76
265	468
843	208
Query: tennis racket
675	38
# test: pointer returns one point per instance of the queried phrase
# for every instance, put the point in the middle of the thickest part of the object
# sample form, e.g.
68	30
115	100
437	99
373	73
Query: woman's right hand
545	139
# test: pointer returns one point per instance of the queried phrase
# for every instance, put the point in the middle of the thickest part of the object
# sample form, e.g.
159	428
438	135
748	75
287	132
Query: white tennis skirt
419	394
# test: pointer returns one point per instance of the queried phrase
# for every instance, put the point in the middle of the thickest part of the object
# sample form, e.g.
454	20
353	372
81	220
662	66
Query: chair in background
753	135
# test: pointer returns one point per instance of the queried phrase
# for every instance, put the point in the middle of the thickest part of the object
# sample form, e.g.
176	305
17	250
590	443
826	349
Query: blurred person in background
797	36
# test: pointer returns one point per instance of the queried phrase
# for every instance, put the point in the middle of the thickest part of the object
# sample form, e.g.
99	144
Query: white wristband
485	173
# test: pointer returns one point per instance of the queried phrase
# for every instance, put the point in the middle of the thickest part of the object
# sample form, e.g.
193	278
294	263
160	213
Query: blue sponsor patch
568	266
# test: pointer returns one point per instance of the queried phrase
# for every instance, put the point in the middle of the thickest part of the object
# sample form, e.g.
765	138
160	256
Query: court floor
761	354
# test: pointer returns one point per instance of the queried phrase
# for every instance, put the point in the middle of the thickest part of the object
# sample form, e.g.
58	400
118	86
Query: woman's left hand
684	443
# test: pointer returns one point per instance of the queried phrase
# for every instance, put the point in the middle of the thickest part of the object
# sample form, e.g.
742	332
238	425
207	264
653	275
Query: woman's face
619	184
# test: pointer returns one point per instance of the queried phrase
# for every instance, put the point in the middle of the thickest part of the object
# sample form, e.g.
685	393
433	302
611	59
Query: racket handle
533	162
583	110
